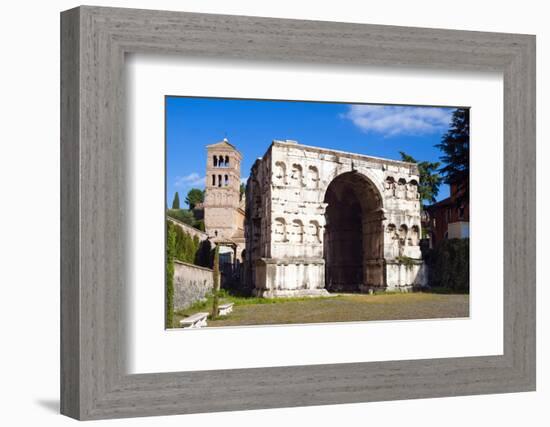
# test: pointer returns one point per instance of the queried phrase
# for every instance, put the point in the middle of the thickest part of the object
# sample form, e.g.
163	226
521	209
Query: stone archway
353	237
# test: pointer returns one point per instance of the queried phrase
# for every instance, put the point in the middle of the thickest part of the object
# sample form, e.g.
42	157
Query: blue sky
251	125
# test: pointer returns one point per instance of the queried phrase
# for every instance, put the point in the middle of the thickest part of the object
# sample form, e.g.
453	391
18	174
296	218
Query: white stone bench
197	320
225	309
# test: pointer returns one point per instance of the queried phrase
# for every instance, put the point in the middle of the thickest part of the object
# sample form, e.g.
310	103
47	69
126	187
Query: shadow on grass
446	291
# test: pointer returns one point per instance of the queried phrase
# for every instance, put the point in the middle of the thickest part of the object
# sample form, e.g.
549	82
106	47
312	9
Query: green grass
337	308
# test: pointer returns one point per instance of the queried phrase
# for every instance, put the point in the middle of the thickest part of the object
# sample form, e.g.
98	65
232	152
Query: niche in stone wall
392	238
279	174
296	175
312	177
401	188
403	231
297	235
414	237
280	230
412	190
389	186
314	233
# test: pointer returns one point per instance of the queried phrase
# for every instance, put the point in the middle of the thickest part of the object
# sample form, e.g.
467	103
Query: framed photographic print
282	213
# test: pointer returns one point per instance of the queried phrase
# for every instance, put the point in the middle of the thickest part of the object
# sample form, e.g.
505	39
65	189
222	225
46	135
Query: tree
455	145
430	180
176	202
203	256
242	190
194	197
182	215
216	287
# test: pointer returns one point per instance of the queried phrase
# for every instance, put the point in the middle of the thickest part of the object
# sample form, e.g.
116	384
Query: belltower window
219	180
226	180
215	161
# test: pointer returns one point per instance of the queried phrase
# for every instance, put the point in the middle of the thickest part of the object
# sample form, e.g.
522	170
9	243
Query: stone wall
191	284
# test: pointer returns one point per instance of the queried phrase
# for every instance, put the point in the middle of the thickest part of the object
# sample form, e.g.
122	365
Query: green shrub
449	265
203	256
184	215
186	247
170	252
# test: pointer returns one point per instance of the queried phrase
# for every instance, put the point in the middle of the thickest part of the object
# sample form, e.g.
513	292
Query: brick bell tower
222	216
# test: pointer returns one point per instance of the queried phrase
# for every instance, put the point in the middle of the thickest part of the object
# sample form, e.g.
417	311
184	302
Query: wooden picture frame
94	41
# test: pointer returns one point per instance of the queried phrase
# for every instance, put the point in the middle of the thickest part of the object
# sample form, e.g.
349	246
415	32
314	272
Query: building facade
449	218
320	220
223	205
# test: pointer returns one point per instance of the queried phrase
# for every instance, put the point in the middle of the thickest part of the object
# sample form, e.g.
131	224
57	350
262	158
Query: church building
223	204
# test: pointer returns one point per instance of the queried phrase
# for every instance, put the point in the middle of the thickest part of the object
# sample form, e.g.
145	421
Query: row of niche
403	236
401	189
296	176
296	231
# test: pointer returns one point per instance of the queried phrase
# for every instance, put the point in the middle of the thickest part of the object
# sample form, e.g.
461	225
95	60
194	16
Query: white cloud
191	180
395	120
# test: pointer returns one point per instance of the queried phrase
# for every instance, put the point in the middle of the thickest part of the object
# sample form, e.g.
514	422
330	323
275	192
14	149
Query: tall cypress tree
455	145
176	202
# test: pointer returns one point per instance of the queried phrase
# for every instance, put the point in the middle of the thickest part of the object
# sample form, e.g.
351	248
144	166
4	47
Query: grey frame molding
94	41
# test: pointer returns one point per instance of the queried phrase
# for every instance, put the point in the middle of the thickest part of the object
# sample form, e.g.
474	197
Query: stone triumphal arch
320	220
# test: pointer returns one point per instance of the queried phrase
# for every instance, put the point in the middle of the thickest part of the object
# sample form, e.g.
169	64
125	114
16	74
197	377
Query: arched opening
353	237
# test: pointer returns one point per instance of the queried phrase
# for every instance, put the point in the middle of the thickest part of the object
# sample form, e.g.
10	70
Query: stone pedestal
290	278
405	277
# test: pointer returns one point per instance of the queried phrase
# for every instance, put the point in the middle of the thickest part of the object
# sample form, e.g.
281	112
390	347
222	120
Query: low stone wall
191	284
